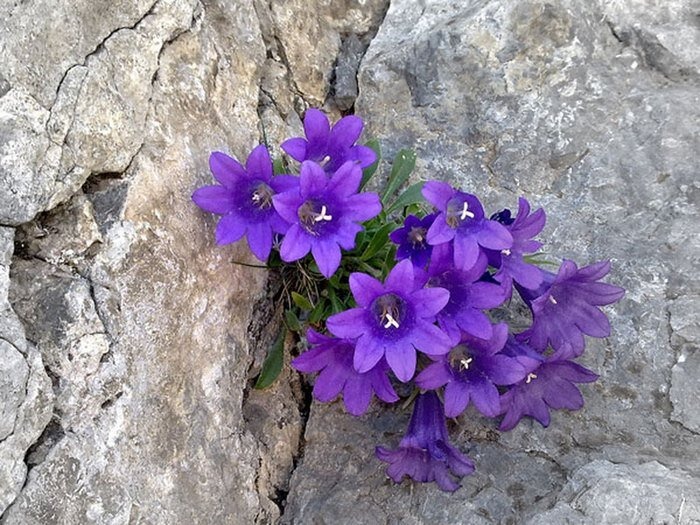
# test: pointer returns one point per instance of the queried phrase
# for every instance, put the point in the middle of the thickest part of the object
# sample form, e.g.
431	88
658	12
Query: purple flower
245	200
566	308
551	385
510	261
393	320
471	372
330	148
324	213
461	219
468	295
411	240
425	452
333	358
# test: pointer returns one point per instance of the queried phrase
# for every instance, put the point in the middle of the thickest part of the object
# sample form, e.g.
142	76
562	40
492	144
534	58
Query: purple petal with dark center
215	199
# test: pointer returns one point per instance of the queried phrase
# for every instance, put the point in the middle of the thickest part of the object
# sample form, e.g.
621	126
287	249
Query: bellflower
550	385
324	213
565	308
393	320
425	452
461	220
468	295
412	241
244	198
333	358
330	147
471	373
510	261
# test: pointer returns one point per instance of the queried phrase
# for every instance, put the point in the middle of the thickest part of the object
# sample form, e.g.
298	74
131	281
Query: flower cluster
422	281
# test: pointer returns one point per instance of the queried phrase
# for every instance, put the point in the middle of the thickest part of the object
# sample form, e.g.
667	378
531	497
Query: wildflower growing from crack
566	305
330	147
333	358
510	262
461	220
425	453
549	386
244	199
471	372
392	320
324	212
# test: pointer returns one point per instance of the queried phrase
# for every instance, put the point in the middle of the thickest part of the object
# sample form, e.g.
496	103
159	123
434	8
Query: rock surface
129	341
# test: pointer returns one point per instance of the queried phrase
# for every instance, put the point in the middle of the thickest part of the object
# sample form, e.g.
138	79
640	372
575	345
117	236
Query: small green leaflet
370	170
273	362
404	163
412	195
378	242
302	302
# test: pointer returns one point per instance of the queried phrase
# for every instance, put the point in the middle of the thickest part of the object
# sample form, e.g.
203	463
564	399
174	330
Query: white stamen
466	213
552	300
322	216
505	252
325	160
256	197
530	377
390	321
465	362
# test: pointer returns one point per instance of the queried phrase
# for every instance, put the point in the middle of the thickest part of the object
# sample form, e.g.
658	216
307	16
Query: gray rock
607	493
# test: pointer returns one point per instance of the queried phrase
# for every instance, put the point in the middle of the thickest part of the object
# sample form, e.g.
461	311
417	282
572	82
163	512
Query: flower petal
429	339
316	126
215	199
456	398
327	256
287	205
357	395
368	352
295	148
230	229
362	207
312	180
259	164
438	193
365	288
439	232
494	235
431	300
346	131
400	278
295	245
350	323
434	376
228	171
346	179
402	360
260	239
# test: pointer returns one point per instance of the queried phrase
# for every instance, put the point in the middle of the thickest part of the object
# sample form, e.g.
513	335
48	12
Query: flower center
458	211
530	377
460	358
505	252
262	196
312	214
389	310
417	235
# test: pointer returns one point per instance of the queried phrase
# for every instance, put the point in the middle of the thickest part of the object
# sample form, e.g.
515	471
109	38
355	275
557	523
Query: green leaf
279	166
292	320
317	313
412	195
372	168
302	302
389	261
404	163
273	362
379	241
